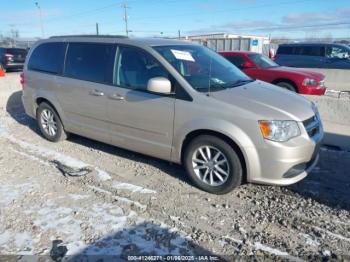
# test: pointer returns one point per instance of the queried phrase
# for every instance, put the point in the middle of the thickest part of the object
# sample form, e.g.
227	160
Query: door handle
96	93
116	97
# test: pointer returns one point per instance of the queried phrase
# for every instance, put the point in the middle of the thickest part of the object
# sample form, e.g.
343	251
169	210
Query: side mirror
159	85
247	65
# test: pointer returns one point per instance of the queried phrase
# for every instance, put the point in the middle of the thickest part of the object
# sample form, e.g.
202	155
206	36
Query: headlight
279	130
309	82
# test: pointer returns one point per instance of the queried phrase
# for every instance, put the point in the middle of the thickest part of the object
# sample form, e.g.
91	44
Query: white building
230	42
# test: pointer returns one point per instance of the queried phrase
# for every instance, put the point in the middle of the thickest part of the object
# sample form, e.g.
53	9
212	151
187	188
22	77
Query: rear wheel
288	86
213	165
49	123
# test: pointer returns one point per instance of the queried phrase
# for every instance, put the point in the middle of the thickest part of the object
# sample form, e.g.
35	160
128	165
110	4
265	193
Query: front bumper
312	90
288	162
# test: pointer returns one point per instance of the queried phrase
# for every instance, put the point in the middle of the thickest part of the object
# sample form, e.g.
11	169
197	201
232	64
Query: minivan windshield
204	69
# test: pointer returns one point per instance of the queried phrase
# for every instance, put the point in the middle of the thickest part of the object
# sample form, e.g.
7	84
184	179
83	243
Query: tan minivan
173	100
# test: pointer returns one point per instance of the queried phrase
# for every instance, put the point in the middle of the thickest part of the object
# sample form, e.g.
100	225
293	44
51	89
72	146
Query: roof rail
96	36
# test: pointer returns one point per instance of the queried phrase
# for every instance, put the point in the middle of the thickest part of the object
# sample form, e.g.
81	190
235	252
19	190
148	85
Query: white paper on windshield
182	55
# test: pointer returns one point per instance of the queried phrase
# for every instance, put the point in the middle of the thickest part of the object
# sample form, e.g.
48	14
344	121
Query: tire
198	170
287	86
47	114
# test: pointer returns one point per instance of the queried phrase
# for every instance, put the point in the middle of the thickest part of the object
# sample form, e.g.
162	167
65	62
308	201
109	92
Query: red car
260	67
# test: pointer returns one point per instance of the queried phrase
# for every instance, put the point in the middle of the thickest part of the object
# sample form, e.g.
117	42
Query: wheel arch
195	133
286	80
41	99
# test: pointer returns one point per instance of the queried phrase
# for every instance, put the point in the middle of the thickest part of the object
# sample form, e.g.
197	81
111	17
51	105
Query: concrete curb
335	115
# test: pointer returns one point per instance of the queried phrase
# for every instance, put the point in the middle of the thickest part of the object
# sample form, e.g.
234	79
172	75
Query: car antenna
209	82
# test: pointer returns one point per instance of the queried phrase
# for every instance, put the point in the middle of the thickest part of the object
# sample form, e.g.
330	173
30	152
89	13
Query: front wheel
213	165
287	86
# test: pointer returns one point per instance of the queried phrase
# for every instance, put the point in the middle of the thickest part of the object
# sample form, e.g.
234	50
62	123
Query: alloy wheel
210	165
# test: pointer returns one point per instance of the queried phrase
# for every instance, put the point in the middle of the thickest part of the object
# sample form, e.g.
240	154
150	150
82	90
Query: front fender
233	132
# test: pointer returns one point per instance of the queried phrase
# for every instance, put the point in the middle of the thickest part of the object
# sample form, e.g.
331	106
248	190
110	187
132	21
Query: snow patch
78	197
132	188
4	238
276	252
102	175
10	193
31	157
42	151
68	161
310	241
332	234
100	190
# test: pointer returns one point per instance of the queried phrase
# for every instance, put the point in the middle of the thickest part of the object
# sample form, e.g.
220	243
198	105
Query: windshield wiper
225	86
239	83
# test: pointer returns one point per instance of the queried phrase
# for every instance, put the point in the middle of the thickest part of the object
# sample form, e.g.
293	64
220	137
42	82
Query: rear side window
48	58
16	51
310	51
237	60
285	50
90	62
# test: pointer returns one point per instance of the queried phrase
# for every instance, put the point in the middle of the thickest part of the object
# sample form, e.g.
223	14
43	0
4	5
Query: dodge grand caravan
173	100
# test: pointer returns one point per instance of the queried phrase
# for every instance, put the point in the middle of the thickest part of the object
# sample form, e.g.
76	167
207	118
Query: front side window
237	60
134	67
90	62
338	52
203	68
262	61
48	57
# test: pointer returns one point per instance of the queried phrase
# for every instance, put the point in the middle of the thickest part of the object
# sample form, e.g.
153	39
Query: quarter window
135	67
90	62
310	51
48	57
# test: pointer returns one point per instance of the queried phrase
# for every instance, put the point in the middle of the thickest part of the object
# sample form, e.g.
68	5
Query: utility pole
97	29
41	19
125	6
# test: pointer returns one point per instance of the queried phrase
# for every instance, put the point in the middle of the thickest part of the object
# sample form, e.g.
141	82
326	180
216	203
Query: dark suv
333	56
12	58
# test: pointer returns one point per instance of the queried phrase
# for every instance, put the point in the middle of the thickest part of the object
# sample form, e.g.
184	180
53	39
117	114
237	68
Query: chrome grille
321	83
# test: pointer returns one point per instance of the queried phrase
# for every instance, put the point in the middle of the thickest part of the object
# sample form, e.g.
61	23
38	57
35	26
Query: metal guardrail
337	94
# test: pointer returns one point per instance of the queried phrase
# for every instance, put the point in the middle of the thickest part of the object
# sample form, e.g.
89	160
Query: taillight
8	56
21	79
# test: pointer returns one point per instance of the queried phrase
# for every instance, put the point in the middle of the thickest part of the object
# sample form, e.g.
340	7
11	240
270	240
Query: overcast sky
294	19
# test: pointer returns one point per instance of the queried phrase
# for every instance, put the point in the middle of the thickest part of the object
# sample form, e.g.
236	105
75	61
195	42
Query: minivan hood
267	101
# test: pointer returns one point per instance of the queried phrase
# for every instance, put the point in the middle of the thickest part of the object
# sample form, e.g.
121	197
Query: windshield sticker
183	55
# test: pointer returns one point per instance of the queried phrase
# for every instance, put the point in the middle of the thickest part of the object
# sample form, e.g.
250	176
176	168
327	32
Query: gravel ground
130	204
